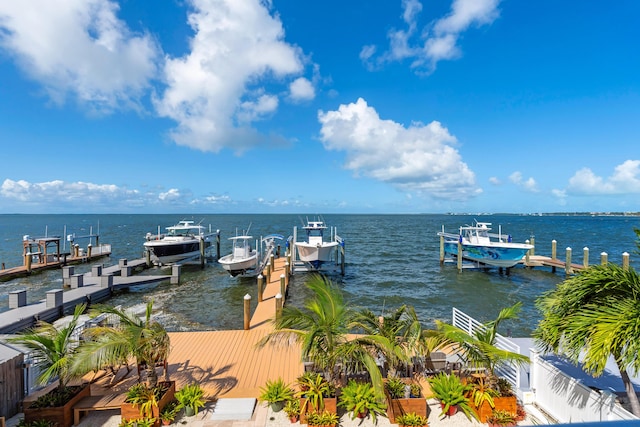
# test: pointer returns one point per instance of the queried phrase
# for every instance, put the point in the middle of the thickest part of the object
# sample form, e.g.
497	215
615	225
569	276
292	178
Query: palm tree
592	316
479	349
53	349
321	327
397	335
144	339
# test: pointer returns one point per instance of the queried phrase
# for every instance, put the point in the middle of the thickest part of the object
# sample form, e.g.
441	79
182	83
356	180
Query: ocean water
390	260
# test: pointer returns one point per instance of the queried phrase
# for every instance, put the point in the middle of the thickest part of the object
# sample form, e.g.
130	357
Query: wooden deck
226	363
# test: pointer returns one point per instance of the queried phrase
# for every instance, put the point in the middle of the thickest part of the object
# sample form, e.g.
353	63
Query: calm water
391	260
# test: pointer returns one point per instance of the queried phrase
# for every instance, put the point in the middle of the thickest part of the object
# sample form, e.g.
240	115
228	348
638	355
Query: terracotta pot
453	409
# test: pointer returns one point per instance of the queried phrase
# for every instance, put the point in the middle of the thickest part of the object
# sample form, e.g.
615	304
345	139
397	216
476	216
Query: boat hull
505	255
314	253
169	253
236	266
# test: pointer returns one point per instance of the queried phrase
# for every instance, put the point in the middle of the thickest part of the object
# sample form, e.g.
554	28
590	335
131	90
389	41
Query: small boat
482	247
181	242
243	258
315	250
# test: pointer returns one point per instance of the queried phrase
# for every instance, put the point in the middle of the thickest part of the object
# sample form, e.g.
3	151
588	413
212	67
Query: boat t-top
315	250
480	246
242	259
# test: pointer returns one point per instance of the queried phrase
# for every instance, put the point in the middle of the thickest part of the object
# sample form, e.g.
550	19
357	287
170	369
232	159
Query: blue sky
364	106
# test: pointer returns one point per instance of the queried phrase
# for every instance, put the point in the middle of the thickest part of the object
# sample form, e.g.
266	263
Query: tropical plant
397	335
144	397
313	389
415	389
276	393
144	339
395	387
482	391
592	316
170	411
292	409
411	419
501	418
141	422
321	327
325	418
451	391
478	349
191	397
37	423
360	398
53	349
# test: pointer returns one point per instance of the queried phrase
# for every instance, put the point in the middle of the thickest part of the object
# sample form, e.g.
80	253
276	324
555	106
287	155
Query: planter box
330	405
61	415
508	403
397	407
130	412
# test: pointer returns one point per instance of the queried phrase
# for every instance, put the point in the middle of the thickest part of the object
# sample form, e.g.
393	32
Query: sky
288	106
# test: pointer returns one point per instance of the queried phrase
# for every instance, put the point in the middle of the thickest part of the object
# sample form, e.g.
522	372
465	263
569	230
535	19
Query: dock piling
553	249
278	300
282	286
18	298
260	288
603	258
247	312
585	257
176	271
625	260
567	264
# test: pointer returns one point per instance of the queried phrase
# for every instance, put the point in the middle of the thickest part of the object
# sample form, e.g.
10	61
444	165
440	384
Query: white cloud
301	89
624	180
435	42
60	192
527	184
172	194
79	48
495	180
417	158
215	92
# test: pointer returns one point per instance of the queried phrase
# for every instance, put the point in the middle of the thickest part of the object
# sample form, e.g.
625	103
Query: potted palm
323	419
276	394
53	351
191	398
316	395
360	399
147	402
169	413
499	418
452	394
399	399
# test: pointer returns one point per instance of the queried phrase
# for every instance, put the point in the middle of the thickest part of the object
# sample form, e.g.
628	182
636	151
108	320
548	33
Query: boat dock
92	287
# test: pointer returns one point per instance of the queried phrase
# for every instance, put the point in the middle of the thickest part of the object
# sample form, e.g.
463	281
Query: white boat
180	242
481	246
243	258
315	250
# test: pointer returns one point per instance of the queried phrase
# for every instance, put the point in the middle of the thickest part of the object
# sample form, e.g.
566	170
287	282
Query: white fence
567	400
508	371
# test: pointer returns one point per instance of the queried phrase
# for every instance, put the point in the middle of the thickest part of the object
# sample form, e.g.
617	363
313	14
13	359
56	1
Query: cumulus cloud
218	90
528	184
624	180
61	192
301	89
495	180
419	158
79	49
438	41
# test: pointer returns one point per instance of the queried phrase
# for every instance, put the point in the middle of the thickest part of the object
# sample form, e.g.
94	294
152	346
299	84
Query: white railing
509	371
568	400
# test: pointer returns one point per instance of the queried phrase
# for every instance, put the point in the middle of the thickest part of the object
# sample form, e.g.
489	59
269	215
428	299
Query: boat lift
338	258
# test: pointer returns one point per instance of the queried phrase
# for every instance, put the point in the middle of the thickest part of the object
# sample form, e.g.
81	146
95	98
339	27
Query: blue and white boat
482	247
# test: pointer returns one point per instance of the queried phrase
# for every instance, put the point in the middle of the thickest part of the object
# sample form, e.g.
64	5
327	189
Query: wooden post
202	250
247	312
147	255
272	262
217	244
278	305
527	255
89	250
567	263
459	256
603	258
625	260
533	242
287	270
442	247
553	249
269	272
282	286
260	287
27	262
342	260
585	257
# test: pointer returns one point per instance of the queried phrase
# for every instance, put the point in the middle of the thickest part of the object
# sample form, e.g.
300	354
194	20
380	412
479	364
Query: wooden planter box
397	407
330	405
130	412
61	415
507	403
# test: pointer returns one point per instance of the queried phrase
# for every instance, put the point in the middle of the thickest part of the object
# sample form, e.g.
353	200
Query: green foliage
395	387
36	423
451	391
276	391
170	411
292	408
360	398
501	418
191	396
56	397
411	419
53	349
415	389
325	418
144	397
313	389
141	422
